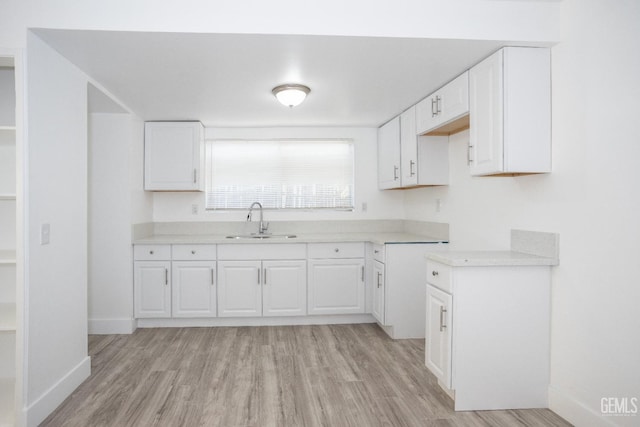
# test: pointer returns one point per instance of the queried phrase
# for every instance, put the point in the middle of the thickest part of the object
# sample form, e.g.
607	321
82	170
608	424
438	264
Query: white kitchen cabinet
407	160
174	156
336	279
510	113
284	290
152	289
174	281
438	335
239	288
408	148
193	291
377	309
446	110
398	278
488	333
262	280
389	155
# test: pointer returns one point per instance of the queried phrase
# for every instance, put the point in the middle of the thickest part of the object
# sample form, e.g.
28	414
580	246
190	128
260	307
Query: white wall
591	199
56	274
113	139
459	19
380	205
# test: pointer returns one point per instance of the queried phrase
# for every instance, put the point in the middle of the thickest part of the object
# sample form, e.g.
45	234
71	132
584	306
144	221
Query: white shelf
7	317
7	196
7	257
7	399
7	128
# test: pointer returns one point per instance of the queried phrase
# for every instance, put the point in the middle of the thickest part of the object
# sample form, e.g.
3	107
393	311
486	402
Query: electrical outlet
194	209
45	234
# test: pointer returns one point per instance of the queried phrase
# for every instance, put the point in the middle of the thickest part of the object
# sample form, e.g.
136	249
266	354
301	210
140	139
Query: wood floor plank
324	375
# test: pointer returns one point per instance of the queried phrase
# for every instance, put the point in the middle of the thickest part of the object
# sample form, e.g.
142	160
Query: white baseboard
40	409
256	321
575	411
111	326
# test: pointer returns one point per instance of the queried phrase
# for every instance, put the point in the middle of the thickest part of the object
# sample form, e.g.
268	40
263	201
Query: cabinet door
152	289
389	155
193	288
486	116
173	156
438	114
284	288
239	288
438	334
378	292
336	286
408	148
427	114
454	99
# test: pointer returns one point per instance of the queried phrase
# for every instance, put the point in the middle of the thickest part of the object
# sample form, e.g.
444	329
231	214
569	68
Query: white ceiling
225	80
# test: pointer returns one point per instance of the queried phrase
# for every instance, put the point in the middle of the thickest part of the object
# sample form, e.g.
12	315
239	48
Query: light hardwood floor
330	375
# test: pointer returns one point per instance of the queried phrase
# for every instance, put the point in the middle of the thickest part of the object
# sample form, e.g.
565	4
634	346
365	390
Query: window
280	174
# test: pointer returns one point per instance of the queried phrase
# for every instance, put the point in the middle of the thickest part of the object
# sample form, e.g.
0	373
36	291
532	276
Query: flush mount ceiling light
291	94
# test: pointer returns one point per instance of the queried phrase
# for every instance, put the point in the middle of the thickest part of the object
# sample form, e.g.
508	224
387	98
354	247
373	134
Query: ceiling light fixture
291	94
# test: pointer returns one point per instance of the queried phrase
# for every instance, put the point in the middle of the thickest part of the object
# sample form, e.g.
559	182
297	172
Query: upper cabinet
424	159
389	155
510	112
407	160
446	110
173	156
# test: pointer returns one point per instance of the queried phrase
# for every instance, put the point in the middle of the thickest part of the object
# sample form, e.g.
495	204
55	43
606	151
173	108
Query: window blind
280	174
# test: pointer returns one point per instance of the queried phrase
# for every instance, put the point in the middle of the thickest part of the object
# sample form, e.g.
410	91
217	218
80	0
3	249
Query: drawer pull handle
434	273
379	275
151	252
337	250
193	252
443	312
212	281
166	276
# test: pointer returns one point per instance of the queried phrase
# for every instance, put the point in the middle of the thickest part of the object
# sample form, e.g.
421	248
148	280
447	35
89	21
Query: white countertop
378	238
489	258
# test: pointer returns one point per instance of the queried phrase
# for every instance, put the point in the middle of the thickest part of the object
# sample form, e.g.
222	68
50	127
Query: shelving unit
8	241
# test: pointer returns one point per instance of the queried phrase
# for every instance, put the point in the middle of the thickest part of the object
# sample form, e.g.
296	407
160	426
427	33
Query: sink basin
262	236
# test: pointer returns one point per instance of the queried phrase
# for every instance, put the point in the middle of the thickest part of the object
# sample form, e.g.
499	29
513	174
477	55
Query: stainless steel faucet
262	226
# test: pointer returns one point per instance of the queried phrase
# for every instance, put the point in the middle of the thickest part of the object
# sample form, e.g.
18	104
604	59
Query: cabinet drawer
439	275
260	251
151	252
336	250
378	253
193	252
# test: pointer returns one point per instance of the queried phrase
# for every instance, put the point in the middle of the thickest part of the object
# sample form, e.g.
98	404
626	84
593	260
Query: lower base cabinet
193	289
377	309
284	290
152	289
438	335
262	288
487	337
336	279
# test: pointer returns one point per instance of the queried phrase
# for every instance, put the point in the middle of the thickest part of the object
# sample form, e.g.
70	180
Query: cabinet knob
337	250
193	252
151	252
434	273
376	251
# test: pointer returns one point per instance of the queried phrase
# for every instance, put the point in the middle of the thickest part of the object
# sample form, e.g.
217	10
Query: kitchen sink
262	236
